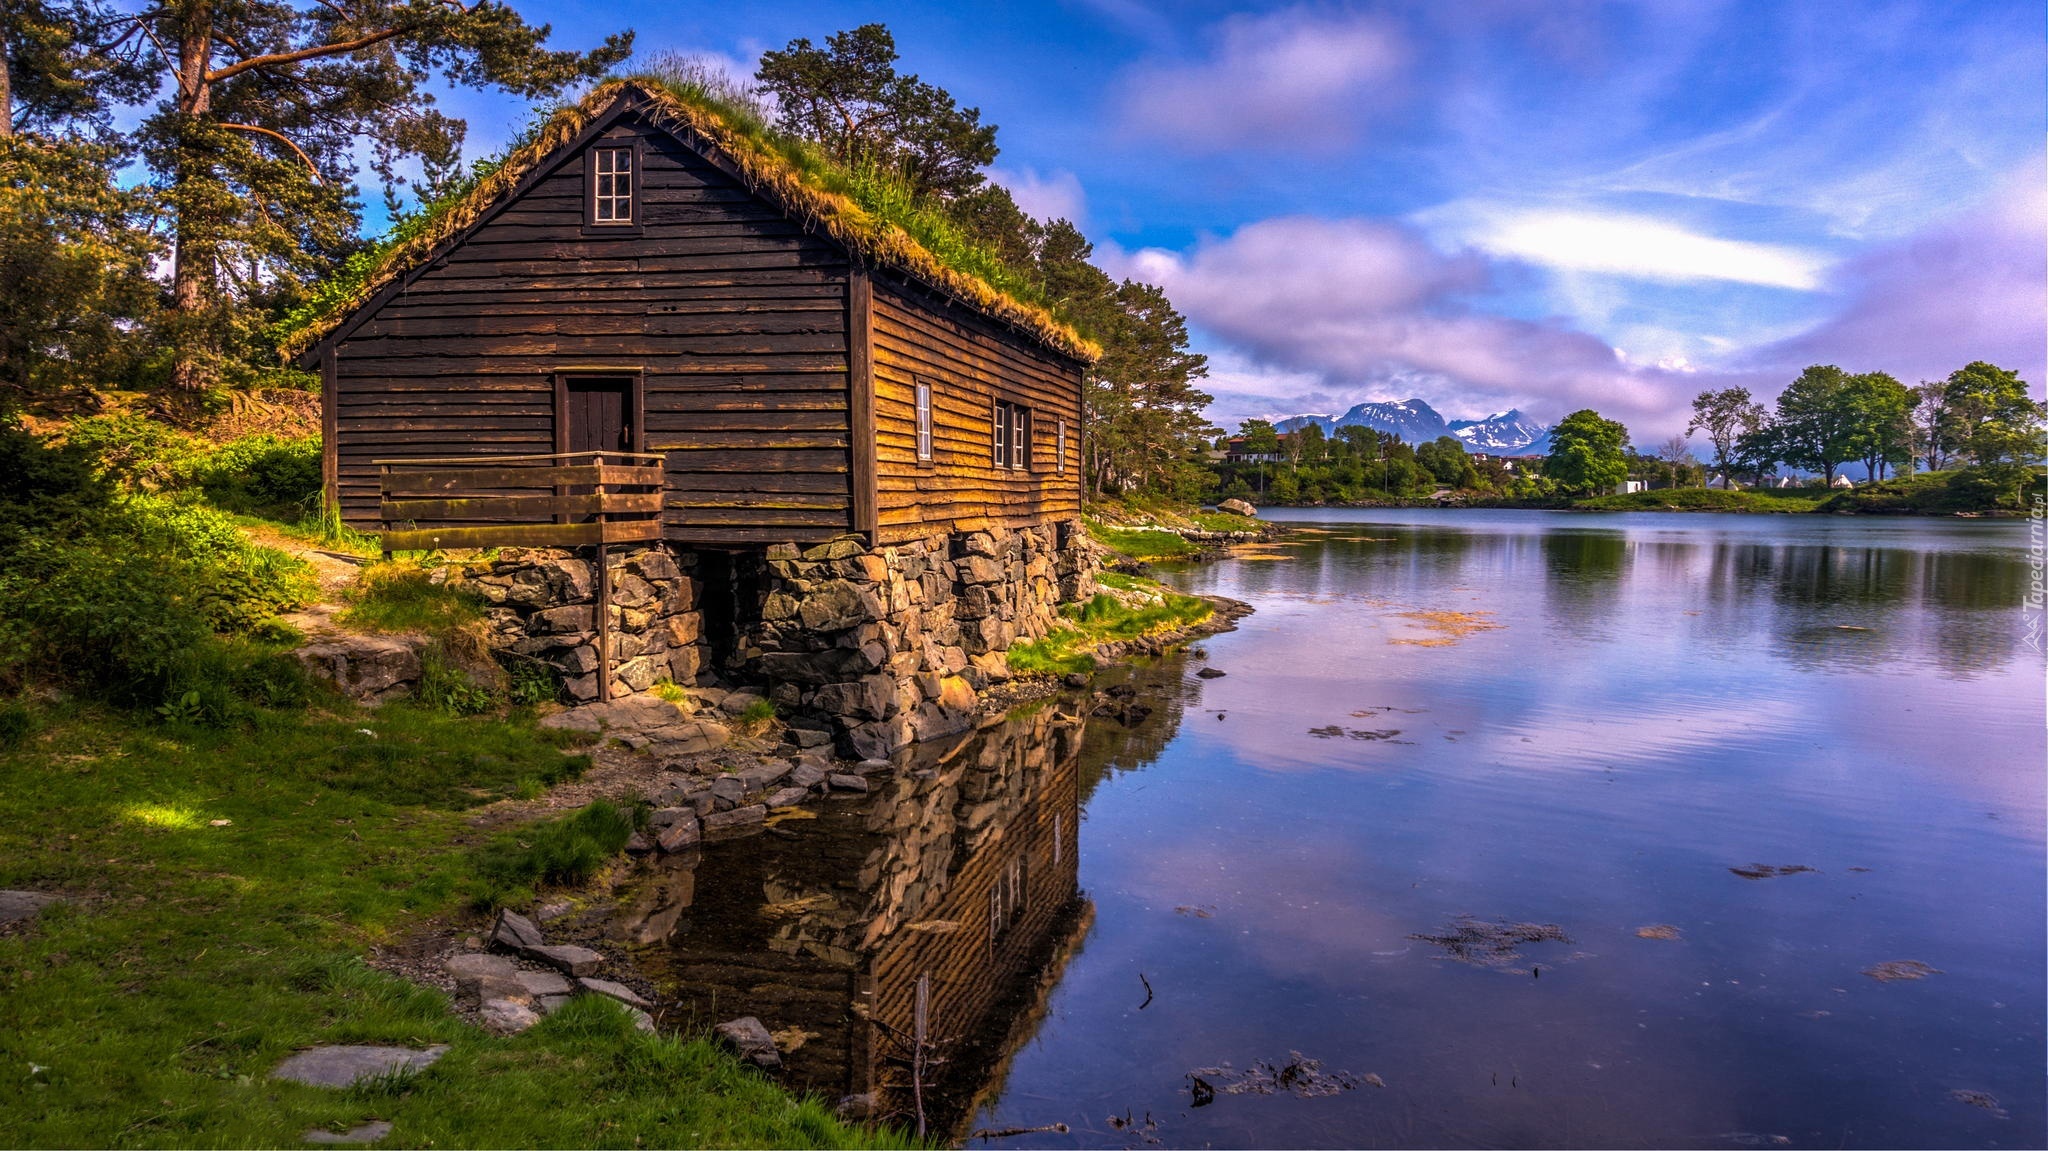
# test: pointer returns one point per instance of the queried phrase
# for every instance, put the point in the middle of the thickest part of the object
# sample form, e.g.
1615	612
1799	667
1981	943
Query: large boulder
366	668
1237	507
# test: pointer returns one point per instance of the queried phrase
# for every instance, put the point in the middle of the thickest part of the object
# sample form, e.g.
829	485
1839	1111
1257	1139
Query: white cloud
1635	246
1055	195
1289	79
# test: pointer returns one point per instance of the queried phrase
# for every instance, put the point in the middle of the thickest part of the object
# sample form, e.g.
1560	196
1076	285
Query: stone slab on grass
369	1132
19	905
749	1039
342	1066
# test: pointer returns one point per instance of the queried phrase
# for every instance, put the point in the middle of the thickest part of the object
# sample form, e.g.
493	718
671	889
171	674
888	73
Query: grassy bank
232	840
225	885
1131	609
1158	530
1707	500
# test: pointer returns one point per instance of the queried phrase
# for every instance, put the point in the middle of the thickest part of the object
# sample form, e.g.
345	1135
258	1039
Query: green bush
134	450
401	597
563	851
45	487
260	473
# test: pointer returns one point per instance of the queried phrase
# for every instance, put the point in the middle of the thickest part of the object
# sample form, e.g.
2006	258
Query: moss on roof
870	213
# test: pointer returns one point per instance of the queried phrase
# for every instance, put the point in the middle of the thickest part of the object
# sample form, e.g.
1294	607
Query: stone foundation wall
894	644
544	606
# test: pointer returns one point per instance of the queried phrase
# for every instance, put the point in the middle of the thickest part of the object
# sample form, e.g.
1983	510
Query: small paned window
924	420
1012	436
611	186
1059	459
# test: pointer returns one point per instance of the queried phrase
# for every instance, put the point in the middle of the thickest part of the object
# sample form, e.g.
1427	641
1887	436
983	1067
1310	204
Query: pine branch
282	139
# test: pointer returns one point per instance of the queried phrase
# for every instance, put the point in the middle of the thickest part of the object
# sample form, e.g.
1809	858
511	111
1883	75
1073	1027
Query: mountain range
1414	421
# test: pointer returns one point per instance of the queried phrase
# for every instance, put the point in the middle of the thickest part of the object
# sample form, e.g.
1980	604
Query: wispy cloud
1642	247
1974	287
1296	79
1370	309
1054	195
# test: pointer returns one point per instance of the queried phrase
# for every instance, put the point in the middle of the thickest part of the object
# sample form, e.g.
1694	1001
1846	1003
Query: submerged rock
749	1039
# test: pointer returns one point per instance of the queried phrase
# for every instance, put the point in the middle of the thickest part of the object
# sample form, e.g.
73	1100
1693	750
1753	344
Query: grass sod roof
870	214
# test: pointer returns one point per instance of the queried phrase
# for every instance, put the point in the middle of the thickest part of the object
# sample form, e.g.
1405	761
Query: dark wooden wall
734	316
971	362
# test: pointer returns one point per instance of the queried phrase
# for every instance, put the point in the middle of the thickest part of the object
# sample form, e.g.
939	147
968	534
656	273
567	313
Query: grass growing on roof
225	886
1105	619
870	210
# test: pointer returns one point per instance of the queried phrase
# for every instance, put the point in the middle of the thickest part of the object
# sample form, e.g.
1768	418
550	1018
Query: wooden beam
330	428
430	481
522	535
498	507
860	364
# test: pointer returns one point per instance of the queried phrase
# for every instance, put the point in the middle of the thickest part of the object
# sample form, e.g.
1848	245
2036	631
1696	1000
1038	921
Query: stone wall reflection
957	874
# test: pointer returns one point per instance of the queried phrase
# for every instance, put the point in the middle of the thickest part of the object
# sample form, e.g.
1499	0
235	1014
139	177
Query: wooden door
597	414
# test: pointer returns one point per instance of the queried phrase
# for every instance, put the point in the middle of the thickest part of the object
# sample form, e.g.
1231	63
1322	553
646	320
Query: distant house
1630	487
1236	453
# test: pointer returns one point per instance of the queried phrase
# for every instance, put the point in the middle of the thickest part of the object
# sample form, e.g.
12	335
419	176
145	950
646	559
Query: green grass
227	883
1942	493
1102	620
399	597
1703	500
1142	544
1224	522
565	851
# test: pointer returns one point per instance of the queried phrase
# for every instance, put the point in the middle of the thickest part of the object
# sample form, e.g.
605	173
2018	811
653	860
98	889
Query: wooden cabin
645	277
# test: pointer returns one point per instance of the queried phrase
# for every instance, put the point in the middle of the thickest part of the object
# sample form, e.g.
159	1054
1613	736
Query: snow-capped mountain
1413	420
1503	432
1507	433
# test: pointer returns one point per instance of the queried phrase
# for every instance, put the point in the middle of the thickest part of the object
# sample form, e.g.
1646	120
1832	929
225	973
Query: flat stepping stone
342	1066
618	991
369	1132
568	958
19	905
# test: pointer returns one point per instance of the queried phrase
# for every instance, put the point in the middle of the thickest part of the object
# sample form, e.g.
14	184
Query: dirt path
336	572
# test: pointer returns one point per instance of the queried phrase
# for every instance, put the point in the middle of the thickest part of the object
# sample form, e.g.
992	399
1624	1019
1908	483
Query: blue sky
1493	203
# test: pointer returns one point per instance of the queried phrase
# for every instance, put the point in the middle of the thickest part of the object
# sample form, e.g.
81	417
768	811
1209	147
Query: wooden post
604	599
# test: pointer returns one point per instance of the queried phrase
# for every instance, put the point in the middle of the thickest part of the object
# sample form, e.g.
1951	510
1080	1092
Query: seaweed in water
1896	969
1491	945
1300	1076
1657	931
1981	1099
1767	871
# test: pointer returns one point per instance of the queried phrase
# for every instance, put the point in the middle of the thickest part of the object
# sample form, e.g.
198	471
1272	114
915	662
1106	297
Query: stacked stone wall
543	605
895	644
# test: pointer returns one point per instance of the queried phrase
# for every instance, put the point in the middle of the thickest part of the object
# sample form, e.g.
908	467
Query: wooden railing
566	499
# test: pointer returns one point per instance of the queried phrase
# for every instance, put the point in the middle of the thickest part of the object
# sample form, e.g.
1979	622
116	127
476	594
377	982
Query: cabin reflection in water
956	875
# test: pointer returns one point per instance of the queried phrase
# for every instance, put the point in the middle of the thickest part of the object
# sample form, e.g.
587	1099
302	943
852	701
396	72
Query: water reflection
897	944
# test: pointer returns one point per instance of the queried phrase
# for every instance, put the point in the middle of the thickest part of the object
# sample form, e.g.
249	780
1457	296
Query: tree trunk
6	88
192	262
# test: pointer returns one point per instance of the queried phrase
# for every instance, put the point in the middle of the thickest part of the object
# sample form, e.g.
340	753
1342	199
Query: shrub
402	597
261	473
44	486
562	851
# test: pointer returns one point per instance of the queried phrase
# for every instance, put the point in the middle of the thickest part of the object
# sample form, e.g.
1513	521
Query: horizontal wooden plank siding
731	316
971	363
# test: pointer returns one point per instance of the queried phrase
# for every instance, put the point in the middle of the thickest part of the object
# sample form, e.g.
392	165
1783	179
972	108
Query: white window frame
1059	459
923	393
608	201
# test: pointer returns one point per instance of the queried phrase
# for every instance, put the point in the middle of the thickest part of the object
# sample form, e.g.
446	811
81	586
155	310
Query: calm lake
1500	829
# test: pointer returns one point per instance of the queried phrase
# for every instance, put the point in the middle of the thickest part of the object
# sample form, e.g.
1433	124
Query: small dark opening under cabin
735	582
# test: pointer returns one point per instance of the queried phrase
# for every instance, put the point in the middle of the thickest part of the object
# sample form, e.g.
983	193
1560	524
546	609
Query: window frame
634	186
1059	457
921	419
1011	434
